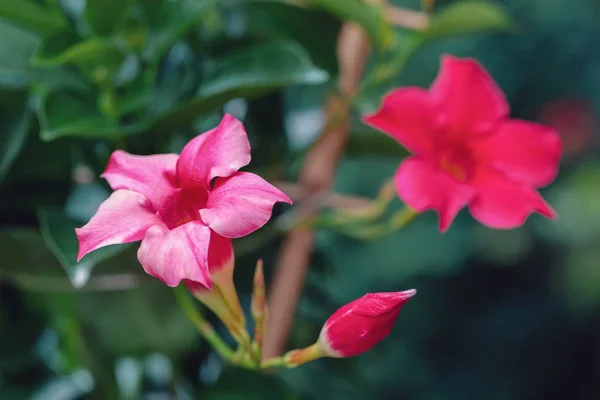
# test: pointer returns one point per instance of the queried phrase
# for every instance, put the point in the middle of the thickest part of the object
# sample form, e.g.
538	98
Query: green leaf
250	72
58	232
281	20
469	16
239	384
15	119
370	17
16	48
64	113
174	19
104	16
65	48
32	16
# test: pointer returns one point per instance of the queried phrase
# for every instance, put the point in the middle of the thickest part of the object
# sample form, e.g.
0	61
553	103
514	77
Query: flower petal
153	176
218	152
122	218
407	115
178	254
525	151
504	204
469	97
241	204
423	187
220	252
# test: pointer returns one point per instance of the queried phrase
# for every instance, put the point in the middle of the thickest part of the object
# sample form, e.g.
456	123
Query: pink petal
525	151
241	204
220	252
409	116
504	204
469	97
178	254
423	187
218	152
122	218
153	176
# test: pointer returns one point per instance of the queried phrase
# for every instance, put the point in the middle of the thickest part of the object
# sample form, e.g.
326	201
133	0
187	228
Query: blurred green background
499	314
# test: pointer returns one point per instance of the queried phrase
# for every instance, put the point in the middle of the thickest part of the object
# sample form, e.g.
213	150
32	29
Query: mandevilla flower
355	327
183	208
466	151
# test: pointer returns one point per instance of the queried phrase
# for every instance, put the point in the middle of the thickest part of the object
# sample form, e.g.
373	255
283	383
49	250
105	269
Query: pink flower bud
361	324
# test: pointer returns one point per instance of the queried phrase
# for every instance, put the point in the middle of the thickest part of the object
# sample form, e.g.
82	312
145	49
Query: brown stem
316	175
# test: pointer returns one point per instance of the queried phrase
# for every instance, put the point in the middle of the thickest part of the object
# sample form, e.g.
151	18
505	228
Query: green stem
277	362
397	222
204	327
370	213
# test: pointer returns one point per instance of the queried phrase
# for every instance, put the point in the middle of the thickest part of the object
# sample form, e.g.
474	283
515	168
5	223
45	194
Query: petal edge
241	204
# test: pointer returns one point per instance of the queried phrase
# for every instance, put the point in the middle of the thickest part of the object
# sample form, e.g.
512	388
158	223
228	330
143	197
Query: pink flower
183	208
466	151
361	324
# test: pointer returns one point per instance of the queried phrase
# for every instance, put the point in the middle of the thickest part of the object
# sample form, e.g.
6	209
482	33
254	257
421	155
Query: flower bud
361	324
259	304
354	328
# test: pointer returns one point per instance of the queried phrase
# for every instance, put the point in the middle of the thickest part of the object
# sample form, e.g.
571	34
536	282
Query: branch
316	176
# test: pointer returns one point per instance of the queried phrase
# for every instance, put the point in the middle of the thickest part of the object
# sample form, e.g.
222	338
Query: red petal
218	152
525	151
152	176
504	204
423	187
241	204
408	115
469	97
122	218
178	254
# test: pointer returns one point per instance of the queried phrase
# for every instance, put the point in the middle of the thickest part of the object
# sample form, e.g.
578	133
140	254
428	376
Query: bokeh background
498	315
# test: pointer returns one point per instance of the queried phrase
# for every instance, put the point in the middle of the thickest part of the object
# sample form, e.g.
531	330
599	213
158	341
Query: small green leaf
469	16
15	119
64	113
32	16
250	72
104	16
370	17
58	232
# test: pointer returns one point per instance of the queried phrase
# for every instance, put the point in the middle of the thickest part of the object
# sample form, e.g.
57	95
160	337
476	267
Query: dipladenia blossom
361	324
465	149
355	327
184	209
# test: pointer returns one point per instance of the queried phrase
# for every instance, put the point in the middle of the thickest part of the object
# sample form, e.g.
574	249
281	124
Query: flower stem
276	362
397	222
372	212
204	327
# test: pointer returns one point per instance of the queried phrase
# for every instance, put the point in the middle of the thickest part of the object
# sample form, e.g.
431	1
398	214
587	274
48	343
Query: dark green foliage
498	315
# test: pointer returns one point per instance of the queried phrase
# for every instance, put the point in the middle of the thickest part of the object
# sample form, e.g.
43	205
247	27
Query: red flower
361	324
466	151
